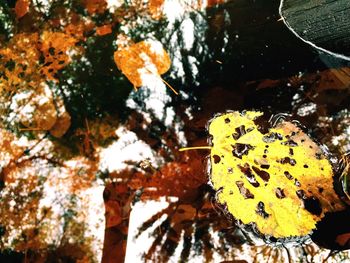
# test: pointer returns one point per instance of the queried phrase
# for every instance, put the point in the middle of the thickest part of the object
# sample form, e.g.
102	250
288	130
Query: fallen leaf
278	179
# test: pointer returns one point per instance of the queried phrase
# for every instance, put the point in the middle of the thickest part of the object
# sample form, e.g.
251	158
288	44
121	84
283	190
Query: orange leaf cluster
142	60
19	61
55	46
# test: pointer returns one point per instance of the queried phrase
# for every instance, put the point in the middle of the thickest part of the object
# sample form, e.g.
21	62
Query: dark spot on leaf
288	175
280	193
244	191
249	175
261	210
291	152
306	166
297	183
320	190
265	166
230	170
216	158
312	204
240	149
250	129
263	174
227	120
290	143
264	156
239	131
286	160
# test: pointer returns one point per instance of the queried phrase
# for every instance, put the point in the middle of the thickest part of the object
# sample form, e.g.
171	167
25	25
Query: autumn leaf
142	62
278	179
14	68
22	8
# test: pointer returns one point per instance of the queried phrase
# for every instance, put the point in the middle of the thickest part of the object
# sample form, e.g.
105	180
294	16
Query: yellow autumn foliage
55	46
279	179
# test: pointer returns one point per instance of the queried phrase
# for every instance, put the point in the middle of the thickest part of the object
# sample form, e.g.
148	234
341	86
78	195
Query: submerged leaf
279	178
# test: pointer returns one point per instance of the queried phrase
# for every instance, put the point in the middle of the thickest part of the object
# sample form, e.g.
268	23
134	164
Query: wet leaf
276	178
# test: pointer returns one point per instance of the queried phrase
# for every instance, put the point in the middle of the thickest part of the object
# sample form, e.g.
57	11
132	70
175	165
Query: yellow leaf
142	61
278	179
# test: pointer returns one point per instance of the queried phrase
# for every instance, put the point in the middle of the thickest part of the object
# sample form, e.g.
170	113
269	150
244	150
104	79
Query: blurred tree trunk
117	198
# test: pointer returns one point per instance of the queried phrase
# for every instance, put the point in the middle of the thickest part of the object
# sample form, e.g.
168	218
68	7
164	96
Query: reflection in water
232	56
